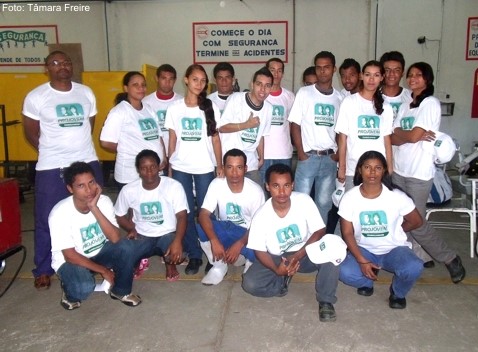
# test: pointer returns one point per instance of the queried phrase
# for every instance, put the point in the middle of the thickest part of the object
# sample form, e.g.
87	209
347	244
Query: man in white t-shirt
223	73
278	145
85	241
236	199
60	139
393	63
164	96
278	234
349	76
313	134
159	207
245	121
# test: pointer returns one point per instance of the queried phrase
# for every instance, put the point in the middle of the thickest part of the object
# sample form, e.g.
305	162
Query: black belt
321	152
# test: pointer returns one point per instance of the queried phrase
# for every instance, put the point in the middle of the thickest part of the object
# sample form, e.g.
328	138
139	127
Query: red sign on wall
474	102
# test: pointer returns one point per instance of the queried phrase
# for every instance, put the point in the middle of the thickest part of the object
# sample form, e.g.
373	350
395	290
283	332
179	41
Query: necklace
370	195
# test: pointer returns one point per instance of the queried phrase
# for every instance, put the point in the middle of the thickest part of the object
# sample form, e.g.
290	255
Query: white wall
160	31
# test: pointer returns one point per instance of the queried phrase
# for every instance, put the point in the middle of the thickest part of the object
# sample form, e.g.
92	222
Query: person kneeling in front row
279	232
375	217
86	240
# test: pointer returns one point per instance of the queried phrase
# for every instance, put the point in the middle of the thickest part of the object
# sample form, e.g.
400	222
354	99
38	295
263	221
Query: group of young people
224	154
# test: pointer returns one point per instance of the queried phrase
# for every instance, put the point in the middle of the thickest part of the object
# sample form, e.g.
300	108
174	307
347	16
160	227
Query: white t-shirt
71	229
235	207
237	111
345	92
133	130
276	235
154	211
316	114
405	97
278	145
194	152
377	222
410	159
365	130
221	103
160	107
65	129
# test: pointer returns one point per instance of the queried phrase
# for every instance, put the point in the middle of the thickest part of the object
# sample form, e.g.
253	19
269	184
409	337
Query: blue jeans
79	282
201	183
321	171
268	163
150	246
49	190
263	282
228	233
401	261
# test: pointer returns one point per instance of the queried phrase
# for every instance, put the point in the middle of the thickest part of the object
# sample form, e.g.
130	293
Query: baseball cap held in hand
330	248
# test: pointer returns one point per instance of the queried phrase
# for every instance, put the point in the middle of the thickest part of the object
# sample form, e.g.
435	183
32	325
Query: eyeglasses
56	63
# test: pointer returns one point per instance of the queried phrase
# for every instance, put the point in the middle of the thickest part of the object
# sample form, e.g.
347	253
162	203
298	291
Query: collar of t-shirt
164	97
252	105
223	97
325	91
276	93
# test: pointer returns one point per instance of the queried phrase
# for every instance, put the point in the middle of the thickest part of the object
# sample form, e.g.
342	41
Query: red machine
10	225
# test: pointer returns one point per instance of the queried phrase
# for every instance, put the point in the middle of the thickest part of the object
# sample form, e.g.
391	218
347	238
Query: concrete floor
187	316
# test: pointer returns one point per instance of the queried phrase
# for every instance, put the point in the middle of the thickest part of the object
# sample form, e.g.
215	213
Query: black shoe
456	270
193	266
208	267
394	302
285	286
428	265
327	312
365	291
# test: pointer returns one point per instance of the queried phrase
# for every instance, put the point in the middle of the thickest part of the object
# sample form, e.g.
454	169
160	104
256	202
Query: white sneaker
215	275
241	260
247	265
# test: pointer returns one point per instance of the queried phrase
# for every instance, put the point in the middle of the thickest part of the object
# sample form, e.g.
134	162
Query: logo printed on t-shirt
407	122
395	108
374	223
250	135
288	237
92	237
277	115
149	129
70	115
152	212
234	213
368	127
324	115
161	118
191	129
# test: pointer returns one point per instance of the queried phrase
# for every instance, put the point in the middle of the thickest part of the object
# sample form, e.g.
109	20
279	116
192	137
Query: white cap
443	148
330	248
338	193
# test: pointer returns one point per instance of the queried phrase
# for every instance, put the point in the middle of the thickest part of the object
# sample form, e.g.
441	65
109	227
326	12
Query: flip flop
173	277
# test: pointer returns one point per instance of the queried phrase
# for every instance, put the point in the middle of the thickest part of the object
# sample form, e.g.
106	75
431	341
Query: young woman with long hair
195	151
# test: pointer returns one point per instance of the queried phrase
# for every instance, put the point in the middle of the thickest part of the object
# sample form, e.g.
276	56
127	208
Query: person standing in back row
246	120
415	175
313	134
51	134
164	96
278	145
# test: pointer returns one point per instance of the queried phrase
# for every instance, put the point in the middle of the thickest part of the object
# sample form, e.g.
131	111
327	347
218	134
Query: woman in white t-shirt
194	150
364	123
414	167
375	217
130	128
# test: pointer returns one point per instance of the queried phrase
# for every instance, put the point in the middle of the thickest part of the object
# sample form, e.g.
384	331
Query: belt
321	152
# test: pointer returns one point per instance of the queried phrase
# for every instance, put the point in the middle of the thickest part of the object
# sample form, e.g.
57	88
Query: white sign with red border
240	42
